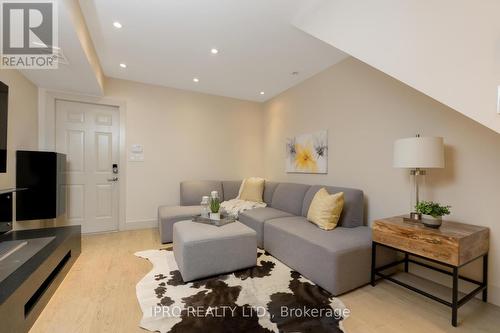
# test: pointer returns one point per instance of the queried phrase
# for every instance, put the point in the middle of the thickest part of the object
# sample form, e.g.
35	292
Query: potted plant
432	213
214	208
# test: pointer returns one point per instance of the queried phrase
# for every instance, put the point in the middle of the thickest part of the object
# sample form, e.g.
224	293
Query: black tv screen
4	102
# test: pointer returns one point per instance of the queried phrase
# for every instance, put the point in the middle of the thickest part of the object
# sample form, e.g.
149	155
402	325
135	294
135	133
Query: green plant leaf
214	205
431	208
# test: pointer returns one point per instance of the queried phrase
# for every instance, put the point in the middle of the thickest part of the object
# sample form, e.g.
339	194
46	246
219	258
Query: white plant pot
215	216
432	222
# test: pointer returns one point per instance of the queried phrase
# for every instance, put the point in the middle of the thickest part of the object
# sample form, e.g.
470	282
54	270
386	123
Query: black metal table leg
485	277
454	303
374	262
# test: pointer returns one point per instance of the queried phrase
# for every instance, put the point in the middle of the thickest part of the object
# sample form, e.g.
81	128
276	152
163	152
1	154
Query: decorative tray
224	219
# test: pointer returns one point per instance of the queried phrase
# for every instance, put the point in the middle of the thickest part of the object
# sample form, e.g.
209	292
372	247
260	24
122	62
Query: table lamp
418	153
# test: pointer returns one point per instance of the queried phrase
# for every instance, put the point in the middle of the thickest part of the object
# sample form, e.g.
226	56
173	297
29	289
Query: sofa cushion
203	250
325	209
230	189
289	197
255	218
193	190
344	254
269	188
252	189
168	215
352	213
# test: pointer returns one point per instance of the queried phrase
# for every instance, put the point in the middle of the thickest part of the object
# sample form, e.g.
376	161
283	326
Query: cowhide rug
267	298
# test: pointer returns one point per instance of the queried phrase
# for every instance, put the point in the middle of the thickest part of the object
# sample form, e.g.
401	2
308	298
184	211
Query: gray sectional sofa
338	260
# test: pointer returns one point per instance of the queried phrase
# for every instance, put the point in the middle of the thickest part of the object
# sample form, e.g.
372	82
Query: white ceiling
168	42
76	76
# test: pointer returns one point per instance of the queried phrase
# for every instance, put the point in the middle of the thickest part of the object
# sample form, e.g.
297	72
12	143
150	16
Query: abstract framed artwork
307	153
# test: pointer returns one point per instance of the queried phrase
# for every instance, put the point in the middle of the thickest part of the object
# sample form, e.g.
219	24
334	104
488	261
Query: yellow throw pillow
252	189
325	209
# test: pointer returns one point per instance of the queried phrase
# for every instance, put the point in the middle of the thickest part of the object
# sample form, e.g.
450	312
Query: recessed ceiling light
214	51
122	65
196	80
262	93
117	25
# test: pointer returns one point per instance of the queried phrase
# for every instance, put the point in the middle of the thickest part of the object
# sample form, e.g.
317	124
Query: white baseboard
139	224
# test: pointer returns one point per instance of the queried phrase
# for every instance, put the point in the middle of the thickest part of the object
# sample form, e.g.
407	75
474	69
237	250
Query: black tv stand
8	248
30	275
6	208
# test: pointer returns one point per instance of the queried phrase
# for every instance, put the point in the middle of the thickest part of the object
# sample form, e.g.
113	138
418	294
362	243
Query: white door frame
47	134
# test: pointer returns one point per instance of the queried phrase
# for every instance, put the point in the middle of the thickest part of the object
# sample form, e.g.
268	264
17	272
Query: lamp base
414	217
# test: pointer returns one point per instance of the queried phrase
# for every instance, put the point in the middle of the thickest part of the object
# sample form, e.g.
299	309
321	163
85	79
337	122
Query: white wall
22	131
364	111
448	49
185	135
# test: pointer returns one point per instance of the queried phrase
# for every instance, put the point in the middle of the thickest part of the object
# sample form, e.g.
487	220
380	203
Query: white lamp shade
419	152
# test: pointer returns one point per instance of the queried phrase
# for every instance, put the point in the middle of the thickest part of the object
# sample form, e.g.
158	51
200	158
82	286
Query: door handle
114	179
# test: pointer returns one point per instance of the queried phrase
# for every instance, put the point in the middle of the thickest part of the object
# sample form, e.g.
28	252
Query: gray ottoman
203	250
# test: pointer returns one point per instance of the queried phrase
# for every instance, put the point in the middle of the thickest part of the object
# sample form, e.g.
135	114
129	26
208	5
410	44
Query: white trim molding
140	224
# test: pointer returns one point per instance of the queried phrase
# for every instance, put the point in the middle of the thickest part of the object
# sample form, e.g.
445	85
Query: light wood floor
98	295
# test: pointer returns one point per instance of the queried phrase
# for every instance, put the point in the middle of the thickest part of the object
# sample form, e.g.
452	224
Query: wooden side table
453	245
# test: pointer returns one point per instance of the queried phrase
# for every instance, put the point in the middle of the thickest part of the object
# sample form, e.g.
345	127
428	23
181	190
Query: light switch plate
136	149
136	158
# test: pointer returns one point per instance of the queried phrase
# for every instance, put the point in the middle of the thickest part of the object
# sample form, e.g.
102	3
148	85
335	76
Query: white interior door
89	135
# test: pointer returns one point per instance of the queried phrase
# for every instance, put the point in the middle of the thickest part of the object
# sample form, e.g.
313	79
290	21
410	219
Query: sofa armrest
168	215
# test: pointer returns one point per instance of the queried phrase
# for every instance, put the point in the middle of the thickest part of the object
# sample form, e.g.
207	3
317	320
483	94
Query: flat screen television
4	102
